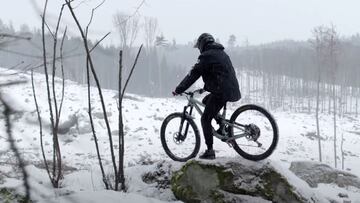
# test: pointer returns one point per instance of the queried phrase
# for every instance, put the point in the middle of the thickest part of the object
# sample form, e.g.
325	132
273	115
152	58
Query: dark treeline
285	74
154	75
297	59
279	74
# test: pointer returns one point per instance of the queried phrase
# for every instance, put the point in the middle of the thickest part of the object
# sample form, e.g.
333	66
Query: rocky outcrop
314	173
234	181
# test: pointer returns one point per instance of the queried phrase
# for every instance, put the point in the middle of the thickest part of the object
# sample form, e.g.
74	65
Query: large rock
314	173
9	195
238	181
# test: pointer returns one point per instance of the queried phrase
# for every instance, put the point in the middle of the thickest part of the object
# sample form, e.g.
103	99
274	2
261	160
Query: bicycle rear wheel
259	128
180	144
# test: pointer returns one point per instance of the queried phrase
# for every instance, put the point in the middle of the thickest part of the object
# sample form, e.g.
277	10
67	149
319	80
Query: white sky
259	21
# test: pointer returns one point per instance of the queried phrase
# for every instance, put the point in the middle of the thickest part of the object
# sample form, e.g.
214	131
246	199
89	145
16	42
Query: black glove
174	93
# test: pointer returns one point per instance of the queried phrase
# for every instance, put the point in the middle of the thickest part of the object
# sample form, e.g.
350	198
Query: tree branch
40	125
132	70
97	43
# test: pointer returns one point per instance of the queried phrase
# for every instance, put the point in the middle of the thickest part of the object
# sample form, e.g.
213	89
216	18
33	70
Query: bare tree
333	41
118	172
150	30
104	178
56	173
326	45
318	42
121	176
231	42
90	64
128	29
161	41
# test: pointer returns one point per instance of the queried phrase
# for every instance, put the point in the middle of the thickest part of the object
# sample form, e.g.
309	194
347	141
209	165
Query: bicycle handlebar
199	91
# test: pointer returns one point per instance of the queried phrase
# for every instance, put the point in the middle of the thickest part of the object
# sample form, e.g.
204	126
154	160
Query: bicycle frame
193	103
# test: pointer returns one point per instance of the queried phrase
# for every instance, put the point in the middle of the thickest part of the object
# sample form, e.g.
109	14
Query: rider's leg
205	99
213	106
218	121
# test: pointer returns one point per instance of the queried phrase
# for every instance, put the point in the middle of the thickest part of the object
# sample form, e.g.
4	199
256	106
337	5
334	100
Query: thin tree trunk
348	109
324	99
40	125
356	102
317	117
342	152
334	113
106	182
121	130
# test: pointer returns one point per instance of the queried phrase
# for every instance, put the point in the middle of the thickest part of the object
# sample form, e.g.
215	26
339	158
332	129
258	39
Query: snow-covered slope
142	118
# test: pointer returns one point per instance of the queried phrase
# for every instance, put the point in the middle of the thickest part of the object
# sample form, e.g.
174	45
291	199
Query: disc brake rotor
177	138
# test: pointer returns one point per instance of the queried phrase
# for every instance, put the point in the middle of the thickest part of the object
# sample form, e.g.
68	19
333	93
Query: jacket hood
213	45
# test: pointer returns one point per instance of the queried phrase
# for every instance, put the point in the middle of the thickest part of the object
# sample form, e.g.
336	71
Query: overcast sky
259	21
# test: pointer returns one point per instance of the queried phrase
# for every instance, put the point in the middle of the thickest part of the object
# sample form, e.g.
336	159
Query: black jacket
217	72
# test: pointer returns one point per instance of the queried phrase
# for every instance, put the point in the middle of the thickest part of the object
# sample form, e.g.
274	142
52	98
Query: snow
104	196
333	192
142	118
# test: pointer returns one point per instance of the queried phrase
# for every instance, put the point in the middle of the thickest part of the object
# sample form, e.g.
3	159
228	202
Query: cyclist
218	74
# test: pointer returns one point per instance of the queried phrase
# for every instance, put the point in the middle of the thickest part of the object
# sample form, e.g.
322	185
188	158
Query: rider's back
218	73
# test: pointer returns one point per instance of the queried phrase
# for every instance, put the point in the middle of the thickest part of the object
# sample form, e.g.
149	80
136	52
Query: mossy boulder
9	196
234	181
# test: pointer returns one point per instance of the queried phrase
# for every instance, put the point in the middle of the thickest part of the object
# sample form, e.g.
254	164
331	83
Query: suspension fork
183	136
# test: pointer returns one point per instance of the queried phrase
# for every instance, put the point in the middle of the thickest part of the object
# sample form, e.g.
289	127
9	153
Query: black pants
213	106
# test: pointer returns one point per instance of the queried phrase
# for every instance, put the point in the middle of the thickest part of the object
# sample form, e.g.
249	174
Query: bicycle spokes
255	135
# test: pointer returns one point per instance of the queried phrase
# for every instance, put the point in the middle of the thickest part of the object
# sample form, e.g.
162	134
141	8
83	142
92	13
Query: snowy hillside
143	150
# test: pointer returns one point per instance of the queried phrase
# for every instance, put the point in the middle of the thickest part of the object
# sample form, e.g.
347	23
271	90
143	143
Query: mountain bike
251	131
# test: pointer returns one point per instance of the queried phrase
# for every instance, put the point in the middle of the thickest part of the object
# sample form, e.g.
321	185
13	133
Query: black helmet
203	40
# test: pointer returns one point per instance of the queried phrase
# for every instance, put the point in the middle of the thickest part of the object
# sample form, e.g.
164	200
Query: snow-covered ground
143	151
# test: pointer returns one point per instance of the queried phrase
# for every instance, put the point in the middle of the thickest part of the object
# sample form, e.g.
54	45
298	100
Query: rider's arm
190	78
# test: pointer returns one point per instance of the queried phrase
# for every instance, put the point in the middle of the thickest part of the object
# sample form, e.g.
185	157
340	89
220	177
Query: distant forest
282	74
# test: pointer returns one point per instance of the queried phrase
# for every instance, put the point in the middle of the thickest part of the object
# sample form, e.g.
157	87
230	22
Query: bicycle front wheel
259	131
180	137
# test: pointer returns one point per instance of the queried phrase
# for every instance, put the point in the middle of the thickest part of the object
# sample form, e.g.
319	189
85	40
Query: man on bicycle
218	74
